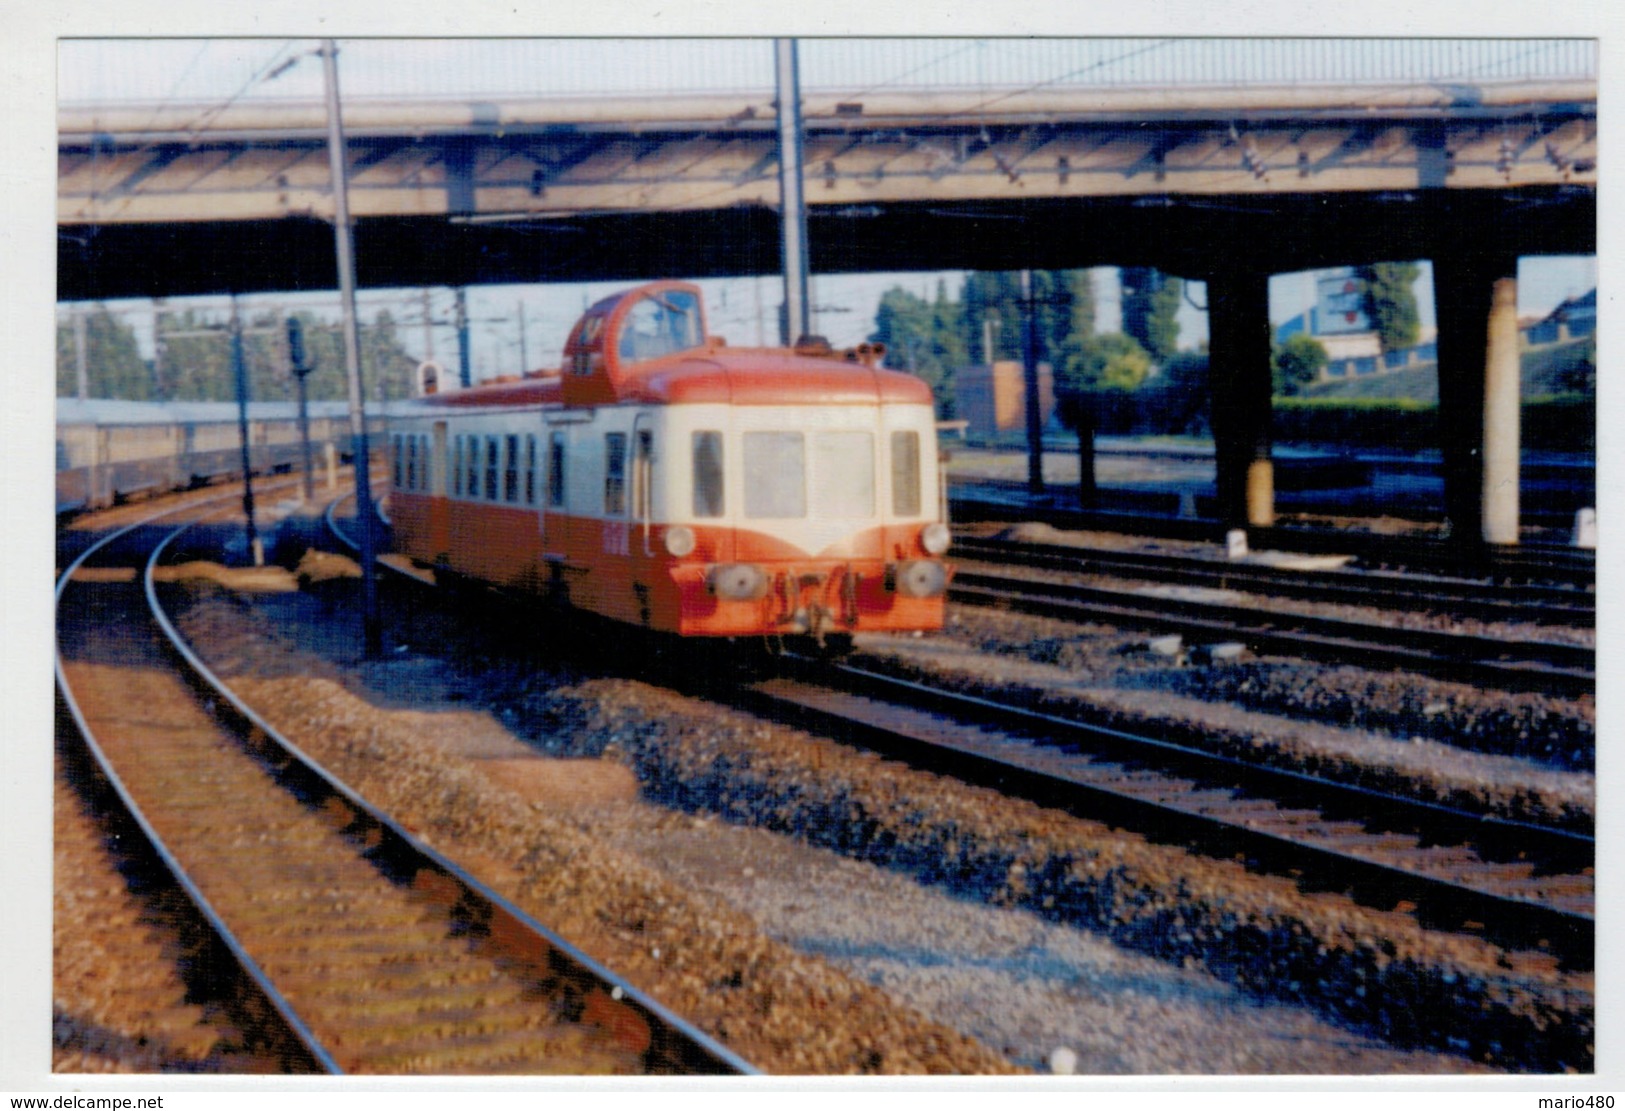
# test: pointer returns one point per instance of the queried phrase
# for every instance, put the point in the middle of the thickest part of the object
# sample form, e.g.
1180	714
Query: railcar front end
670	482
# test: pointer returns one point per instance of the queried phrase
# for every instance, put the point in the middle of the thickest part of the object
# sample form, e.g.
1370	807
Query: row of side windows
495	468
411	457
509	468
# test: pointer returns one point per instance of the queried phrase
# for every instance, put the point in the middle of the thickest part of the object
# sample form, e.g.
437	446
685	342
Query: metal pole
308	485
1035	419
239	369
301	371
464	377
792	202
344	243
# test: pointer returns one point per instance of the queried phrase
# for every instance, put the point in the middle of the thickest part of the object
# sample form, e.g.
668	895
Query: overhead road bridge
1222	184
452	193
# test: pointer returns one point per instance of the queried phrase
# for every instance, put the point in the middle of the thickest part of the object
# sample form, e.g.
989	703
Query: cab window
905	474
708	498
844	473
659	324
775	463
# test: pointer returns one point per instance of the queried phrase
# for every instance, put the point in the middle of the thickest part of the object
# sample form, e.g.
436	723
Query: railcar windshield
659	324
840	478
775	474
844	466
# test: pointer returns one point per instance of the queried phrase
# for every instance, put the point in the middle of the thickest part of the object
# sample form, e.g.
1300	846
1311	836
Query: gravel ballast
1205	920
1112	679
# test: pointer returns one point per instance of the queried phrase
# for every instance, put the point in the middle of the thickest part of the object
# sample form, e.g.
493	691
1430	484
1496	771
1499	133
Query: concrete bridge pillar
1240	385
1479	395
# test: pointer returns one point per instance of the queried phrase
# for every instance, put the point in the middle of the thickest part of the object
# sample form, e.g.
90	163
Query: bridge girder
451	195
1187	236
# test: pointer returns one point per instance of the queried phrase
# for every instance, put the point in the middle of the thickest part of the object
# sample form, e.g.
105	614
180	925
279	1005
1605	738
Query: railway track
357	947
1524	890
1544	666
1532	563
1477	599
1520	886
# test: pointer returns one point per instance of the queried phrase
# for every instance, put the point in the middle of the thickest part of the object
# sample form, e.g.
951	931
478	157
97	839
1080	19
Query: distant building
992	400
1574	318
1337	319
1362	345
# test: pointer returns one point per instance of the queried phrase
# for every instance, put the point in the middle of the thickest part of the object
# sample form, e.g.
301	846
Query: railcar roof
773	377
528	391
737	376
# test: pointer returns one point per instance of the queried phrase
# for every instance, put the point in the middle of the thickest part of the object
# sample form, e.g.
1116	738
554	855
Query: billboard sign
1340	305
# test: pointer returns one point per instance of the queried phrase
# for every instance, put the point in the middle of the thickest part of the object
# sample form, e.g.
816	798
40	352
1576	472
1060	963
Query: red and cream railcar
668	481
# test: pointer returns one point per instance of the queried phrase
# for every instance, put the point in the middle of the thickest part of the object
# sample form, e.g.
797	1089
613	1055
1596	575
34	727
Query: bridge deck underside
557	203
1190	236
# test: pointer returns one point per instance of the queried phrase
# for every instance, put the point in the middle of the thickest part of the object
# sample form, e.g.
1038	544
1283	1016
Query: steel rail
252	974
675	1045
1551	668
1508	920
678	1043
1005	501
1477	599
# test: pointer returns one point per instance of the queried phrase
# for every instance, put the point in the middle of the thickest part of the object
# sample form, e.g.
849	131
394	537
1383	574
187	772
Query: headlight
919	578
934	538
737	582
680	540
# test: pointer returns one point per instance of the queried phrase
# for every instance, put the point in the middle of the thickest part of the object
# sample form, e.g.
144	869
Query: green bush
1564	422
1398	423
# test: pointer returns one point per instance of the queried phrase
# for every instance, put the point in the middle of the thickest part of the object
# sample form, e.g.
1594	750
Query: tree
113	364
990	309
197	362
1151	310
1064	306
1177	398
1581	375
1296	363
1390	302
1093	365
933	339
392	372
923	339
197	365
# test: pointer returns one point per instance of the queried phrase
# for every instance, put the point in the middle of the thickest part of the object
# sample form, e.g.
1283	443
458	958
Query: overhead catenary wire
271	70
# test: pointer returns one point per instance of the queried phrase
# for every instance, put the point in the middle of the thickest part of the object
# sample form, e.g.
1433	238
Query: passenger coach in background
669	481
